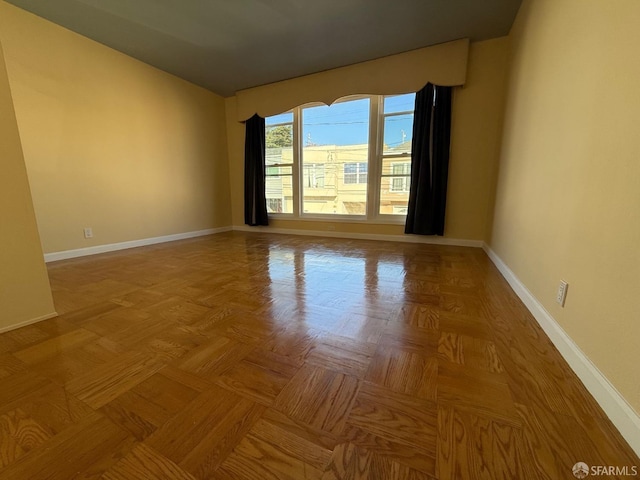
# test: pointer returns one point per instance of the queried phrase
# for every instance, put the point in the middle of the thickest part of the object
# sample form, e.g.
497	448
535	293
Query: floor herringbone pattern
255	356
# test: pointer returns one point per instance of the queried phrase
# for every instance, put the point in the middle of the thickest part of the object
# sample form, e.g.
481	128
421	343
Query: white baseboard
366	236
623	416
28	322
112	247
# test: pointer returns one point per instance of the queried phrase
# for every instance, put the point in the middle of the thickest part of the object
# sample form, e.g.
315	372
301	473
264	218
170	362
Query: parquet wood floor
256	356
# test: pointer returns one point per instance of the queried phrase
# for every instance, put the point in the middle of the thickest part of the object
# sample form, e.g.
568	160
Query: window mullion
296	169
375	168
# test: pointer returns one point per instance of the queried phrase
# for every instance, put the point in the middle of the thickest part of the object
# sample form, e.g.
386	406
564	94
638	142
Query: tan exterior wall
569	185
109	142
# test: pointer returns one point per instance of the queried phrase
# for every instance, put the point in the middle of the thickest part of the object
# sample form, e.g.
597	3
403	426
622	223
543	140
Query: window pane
277	171
398	132
335	157
394	185
282	118
279	136
399	103
279	151
279	192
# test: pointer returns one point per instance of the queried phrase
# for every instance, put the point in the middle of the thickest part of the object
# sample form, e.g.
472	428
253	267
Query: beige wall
235	149
475	141
568	193
477	117
24	286
109	142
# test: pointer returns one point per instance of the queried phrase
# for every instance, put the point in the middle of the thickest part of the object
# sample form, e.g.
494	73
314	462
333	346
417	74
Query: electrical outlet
561	296
88	232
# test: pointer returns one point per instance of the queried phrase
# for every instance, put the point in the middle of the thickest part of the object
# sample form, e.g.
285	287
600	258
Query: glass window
397	135
399	103
335	156
394	185
279	163
334	150
398	132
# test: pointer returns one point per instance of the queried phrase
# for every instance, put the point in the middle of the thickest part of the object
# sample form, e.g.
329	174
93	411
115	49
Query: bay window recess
350	160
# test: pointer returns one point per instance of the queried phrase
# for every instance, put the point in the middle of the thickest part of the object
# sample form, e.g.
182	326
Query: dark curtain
255	203
429	161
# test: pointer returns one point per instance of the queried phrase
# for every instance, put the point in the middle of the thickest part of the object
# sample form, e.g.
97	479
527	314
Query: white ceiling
228	45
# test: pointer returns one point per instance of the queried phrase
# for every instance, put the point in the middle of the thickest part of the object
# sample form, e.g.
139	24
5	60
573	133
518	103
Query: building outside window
401	179
355	173
313	175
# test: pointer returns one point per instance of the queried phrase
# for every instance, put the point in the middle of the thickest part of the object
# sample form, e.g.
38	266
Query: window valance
444	64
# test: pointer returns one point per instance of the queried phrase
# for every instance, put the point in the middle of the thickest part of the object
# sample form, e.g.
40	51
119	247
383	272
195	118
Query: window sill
391	220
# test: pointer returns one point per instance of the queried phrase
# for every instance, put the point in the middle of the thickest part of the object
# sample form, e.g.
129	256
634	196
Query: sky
347	123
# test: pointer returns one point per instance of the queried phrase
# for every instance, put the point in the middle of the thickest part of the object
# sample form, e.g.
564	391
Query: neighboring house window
401	178
350	159
355	173
274	205
313	175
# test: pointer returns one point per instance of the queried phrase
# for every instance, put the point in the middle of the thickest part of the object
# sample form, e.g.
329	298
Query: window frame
375	159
